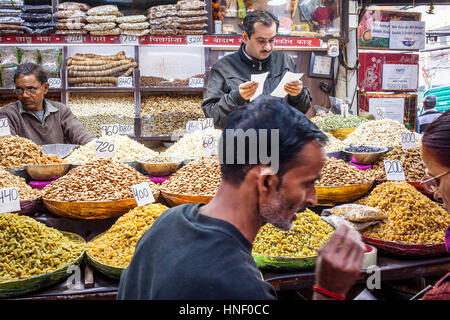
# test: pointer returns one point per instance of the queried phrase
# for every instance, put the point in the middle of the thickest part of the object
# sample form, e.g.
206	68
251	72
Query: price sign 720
104	149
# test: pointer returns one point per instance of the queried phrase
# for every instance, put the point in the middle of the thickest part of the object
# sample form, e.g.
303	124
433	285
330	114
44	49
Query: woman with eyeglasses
436	155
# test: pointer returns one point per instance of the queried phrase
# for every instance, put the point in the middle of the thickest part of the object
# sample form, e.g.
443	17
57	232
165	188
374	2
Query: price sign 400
9	200
143	194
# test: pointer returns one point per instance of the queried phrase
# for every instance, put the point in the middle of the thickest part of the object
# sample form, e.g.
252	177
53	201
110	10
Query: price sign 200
394	170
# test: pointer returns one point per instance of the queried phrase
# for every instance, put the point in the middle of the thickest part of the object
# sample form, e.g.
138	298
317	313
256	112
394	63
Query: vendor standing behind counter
38	119
229	84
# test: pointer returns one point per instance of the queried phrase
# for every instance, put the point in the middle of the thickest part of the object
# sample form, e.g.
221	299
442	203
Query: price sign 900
394	170
143	194
9	200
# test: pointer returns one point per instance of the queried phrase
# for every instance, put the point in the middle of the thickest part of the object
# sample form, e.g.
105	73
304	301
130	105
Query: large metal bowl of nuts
47	171
161	166
365	154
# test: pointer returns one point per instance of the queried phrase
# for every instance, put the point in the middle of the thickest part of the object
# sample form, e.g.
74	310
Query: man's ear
245	36
267	182
46	86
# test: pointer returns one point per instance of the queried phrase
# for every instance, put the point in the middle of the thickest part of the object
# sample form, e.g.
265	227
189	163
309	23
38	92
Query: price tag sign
110	129
381	113
210	145
408	140
74	38
5	130
192	125
129	39
205	124
143	194
54	83
344	110
194	40
126	129
125	82
9	200
196	82
394	170
104	149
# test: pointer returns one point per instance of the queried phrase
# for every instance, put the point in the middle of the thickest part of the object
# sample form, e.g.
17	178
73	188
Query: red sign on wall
372	79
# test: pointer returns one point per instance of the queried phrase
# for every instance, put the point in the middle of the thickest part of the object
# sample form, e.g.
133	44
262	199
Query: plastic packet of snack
36	17
9	56
29	56
74	6
51	62
7	75
38	8
335	221
357	212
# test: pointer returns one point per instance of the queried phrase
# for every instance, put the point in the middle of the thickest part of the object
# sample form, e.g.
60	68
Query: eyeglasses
31	91
432	184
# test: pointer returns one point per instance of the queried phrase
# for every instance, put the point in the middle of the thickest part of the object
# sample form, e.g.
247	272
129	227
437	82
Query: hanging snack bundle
71	18
38	19
134	25
9	59
192	17
163	20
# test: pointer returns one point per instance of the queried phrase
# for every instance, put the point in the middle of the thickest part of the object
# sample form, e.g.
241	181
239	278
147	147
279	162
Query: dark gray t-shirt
188	255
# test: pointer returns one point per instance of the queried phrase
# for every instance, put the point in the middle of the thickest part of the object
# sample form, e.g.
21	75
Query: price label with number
196	82
104	149
125	82
408	140
9	200
143	194
54	83
381	113
129	39
74	38
192	125
110	129
394	170
5	130
126	129
205	124
210	145
194	40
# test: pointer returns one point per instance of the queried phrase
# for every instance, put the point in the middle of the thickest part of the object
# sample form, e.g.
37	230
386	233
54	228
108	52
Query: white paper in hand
288	77
260	79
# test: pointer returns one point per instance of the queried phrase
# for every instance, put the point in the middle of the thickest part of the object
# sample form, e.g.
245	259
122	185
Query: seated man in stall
38	119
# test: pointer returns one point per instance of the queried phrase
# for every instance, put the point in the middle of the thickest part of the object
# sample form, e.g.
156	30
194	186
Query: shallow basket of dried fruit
284	263
331	195
92	209
406	250
113	272
9	289
341	134
173	199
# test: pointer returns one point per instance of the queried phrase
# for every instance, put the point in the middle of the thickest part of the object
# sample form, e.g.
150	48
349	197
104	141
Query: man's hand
339	262
248	89
294	88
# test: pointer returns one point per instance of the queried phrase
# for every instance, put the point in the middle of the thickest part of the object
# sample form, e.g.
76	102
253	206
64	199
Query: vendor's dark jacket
222	90
59	124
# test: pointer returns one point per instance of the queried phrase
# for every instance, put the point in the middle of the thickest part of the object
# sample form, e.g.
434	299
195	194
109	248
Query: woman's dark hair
264	17
295	130
436	139
28	68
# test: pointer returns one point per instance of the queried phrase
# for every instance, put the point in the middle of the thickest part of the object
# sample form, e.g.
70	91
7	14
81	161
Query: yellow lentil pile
29	248
307	235
412	217
116	246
